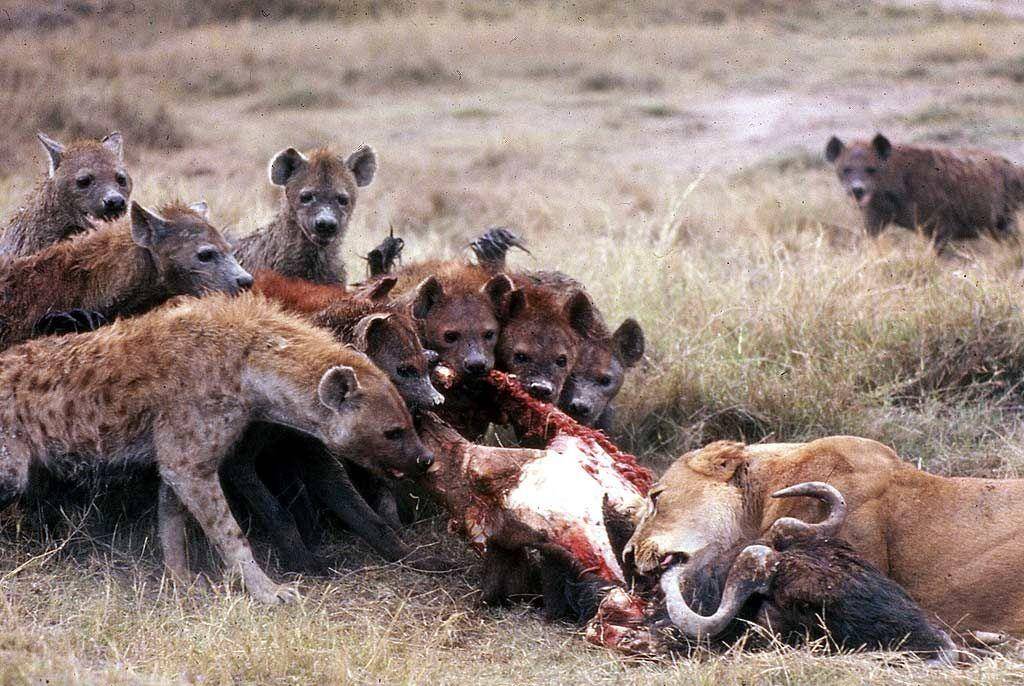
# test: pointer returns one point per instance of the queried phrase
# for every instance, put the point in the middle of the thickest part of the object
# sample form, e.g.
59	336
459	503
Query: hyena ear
719	460
428	294
337	385
285	165
579	310
628	342
496	288
514	304
382	288
363	163
114	142
833	149
373	332
54	150
148	228
881	145
201	208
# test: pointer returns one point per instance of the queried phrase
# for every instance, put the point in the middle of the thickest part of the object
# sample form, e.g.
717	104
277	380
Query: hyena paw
276	594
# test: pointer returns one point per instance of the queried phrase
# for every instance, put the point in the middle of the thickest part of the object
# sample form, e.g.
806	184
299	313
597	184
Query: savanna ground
669	155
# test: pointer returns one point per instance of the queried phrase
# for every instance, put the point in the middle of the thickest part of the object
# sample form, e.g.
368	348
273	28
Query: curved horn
751	573
821	491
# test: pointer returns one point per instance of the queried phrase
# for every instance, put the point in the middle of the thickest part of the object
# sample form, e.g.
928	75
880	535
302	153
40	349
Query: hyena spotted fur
320	192
118	270
177	388
87	182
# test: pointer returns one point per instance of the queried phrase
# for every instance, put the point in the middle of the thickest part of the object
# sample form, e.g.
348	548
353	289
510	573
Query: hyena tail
492	247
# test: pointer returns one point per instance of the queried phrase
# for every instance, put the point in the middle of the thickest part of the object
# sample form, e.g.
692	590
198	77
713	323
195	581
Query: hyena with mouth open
320	191
87	182
177	388
949	194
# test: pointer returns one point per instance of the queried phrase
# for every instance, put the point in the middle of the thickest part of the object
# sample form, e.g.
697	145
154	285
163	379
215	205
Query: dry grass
668	155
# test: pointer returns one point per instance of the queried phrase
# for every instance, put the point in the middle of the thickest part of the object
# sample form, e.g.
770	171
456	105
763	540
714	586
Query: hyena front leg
14	469
189	469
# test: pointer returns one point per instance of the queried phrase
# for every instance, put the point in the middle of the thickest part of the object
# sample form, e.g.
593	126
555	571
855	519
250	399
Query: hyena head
599	371
89	177
365	420
191	256
859	165
540	337
459	323
320	189
391	342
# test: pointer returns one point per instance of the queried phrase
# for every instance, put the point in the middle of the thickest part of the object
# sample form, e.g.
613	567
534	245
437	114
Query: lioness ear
114	142
285	165
337	385
719	460
833	149
428	294
148	228
373	332
54	150
363	164
382	288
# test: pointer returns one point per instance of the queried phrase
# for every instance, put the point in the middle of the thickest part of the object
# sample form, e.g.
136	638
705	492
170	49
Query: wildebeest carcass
556	503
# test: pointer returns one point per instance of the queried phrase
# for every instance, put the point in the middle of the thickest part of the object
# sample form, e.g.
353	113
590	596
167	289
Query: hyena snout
325	224
541	389
113	205
580	410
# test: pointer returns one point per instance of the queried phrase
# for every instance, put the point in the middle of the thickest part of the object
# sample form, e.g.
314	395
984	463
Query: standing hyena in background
304	239
950	194
177	388
87	182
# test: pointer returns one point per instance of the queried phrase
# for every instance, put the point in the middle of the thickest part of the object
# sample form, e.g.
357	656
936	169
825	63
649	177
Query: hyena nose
326	226
245	281
425	460
114	204
475	366
858	192
541	390
578	409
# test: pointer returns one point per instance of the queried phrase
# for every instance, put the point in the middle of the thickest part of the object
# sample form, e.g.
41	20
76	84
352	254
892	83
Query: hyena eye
871	170
451	336
520	358
846	171
84	181
489	335
342	199
306	197
206	255
394	434
121	179
407	371
562	361
604	380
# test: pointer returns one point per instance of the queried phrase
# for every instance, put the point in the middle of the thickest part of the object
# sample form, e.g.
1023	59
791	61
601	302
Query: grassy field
670	157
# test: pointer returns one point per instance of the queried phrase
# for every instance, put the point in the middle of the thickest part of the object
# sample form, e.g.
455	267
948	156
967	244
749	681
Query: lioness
954	544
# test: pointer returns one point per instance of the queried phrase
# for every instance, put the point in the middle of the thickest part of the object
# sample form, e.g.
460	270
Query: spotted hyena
87	182
177	388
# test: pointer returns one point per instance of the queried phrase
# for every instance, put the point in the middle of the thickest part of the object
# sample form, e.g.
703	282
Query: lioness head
696	506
